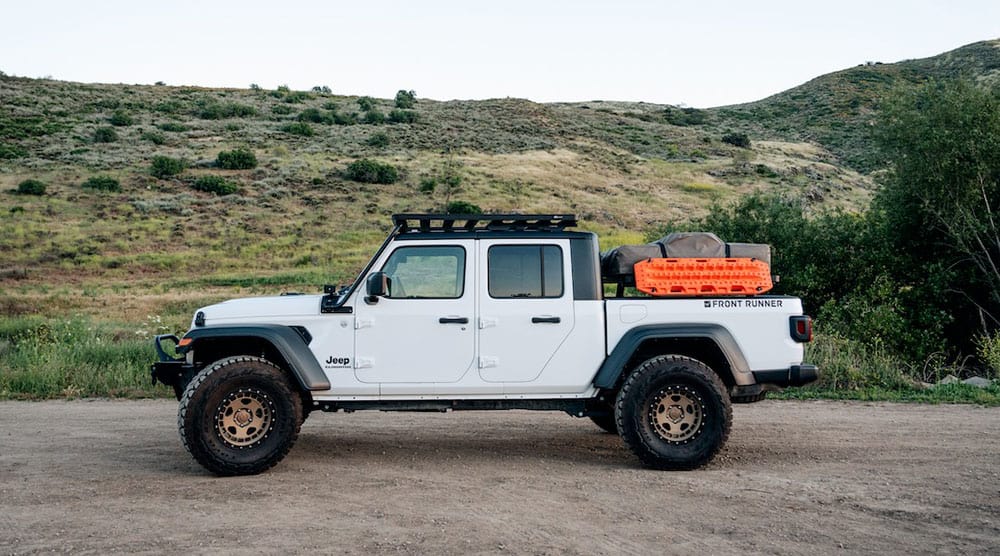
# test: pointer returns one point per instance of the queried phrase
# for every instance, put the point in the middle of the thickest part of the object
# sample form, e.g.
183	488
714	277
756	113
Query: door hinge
485	322
488	361
363	323
364	362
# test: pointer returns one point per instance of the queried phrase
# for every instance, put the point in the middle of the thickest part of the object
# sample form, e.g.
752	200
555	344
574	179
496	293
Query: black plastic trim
796	375
574	407
286	340
585	260
614	365
493	234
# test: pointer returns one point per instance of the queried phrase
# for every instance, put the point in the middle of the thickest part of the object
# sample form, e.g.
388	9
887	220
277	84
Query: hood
260	309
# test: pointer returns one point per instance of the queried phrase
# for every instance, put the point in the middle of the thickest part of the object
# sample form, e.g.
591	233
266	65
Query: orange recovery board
714	276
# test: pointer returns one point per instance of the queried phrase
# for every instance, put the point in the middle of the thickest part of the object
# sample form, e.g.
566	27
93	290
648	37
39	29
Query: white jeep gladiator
480	312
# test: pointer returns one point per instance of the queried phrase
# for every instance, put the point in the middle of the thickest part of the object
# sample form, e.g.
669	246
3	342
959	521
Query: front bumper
168	370
796	375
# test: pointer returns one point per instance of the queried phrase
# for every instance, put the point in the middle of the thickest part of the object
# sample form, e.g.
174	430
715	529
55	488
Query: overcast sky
698	53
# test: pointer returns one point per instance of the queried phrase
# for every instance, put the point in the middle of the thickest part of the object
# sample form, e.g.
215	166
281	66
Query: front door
423	330
526	307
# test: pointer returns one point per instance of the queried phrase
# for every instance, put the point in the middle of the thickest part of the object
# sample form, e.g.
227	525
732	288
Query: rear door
525	307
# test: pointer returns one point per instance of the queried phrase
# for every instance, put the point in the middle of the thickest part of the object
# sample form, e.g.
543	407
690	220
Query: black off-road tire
239	416
750	399
673	412
606	421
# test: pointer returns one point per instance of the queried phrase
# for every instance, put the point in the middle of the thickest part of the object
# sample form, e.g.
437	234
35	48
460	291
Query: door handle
454	320
537	320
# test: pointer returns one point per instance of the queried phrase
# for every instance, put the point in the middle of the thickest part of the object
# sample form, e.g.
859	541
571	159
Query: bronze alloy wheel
244	417
676	413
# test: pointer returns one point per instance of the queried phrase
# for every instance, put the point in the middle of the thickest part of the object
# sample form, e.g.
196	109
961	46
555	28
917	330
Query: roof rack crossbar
482	222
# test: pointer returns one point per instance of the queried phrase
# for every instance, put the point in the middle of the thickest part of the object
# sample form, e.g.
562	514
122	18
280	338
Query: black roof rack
482	222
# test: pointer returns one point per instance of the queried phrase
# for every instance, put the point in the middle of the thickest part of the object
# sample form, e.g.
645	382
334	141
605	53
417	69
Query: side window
525	271
430	272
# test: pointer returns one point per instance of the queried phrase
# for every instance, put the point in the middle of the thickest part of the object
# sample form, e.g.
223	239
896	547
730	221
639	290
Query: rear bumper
796	375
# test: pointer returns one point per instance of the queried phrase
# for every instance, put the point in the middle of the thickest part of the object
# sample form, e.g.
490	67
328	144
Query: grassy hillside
159	245
836	109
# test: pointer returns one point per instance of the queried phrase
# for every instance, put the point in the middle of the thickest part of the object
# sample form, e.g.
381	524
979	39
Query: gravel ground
796	477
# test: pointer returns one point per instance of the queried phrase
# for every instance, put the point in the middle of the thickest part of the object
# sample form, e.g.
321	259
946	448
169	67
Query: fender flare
292	347
612	368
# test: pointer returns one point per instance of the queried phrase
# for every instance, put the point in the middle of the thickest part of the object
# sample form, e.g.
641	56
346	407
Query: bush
214	184
350	118
314	115
164	166
322	89
31	187
10	152
237	159
379	140
217	111
282	109
402	116
120	118
105	135
298	128
172	126
102	183
462	207
366	170
737	139
684	116
154	137
297	97
374	117
989	352
366	104
405	99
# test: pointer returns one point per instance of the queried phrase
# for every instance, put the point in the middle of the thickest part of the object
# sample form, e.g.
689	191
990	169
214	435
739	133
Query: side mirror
377	286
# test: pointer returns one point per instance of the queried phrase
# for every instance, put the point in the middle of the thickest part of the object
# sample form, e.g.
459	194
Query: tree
405	99
938	201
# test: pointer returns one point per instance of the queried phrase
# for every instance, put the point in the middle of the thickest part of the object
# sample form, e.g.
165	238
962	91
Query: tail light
801	328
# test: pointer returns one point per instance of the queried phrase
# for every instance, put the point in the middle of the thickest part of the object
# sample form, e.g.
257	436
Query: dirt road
796	477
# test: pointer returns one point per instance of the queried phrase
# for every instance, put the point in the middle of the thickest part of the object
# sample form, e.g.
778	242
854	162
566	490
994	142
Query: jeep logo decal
338	361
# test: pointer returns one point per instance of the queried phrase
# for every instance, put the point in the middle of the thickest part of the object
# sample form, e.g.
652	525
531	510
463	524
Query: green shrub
31	187
154	137
349	118
105	135
765	171
367	170
164	166
989	352
102	183
282	109
10	152
331	106
237	159
219	111
684	116
366	104
402	116
298	128
120	118
405	99
214	184
315	116
379	139
737	139
169	106
462	207
427	185
172	126
374	117
297	97
323	89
